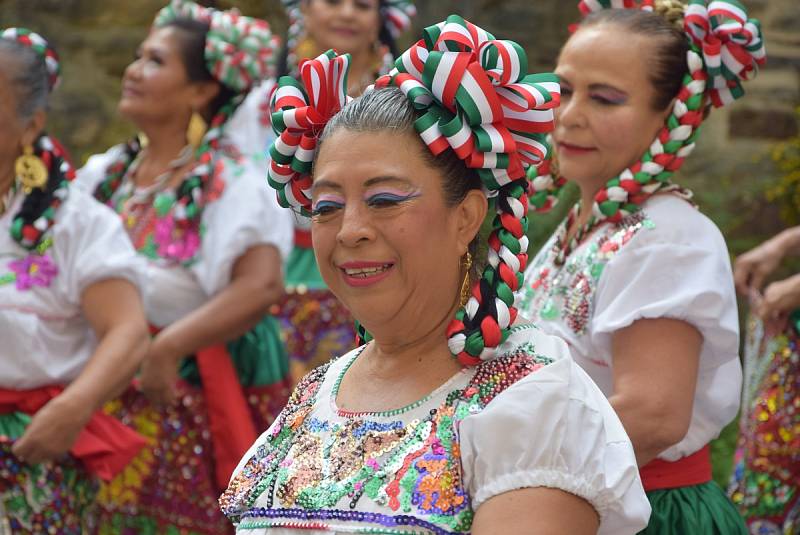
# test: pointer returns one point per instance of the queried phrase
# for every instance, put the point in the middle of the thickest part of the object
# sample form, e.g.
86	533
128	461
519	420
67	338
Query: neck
361	70
164	144
587	205
395	355
6	180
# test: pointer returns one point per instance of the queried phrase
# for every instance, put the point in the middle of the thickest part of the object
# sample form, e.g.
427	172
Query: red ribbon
105	445
693	469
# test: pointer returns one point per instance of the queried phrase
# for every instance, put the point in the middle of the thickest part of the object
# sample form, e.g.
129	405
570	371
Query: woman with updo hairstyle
636	279
214	240
315	325
72	325
456	417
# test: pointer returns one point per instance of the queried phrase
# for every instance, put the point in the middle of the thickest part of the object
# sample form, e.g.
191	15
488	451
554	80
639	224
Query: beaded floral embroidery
566	292
35	269
410	469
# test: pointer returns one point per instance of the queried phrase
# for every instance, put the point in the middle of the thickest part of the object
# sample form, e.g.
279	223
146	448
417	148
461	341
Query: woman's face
347	26
386	243
15	132
155	86
606	121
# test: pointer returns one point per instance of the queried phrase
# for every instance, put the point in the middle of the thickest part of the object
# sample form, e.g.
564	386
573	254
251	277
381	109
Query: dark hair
384	37
388	109
192	44
28	77
669	65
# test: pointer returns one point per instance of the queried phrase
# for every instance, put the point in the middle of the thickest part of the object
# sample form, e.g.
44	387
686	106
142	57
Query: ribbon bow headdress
302	109
475	97
725	48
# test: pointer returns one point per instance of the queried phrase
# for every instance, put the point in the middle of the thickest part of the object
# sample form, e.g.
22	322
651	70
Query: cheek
624	135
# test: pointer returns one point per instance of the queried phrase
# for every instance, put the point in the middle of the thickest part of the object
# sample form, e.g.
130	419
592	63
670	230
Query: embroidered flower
174	242
34	270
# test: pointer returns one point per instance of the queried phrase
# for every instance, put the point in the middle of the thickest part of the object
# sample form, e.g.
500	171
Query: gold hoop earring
31	170
196	130
465	286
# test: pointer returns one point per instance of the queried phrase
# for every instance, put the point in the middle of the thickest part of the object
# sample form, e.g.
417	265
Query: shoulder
81	210
670	219
96	167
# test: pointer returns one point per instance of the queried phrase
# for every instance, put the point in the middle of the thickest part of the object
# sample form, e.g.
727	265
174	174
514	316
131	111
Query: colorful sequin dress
46	342
665	261
173	486
529	418
766	481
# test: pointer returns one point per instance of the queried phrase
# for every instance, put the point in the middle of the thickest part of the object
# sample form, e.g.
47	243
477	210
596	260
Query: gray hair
388	109
28	77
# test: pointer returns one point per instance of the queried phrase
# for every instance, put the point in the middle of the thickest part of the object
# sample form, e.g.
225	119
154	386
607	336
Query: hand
751	269
159	377
779	299
52	431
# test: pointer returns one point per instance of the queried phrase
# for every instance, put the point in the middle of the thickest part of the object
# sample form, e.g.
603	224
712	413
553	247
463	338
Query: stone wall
97	39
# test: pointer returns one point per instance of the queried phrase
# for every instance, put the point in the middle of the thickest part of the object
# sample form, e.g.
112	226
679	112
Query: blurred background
745	173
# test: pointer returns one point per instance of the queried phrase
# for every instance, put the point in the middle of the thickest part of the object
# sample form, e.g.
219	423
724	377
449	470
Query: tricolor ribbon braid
36	216
300	112
732	45
240	51
475	97
395	14
39	45
705	81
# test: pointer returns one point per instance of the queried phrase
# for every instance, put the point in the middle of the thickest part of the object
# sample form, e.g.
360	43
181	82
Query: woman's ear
34	128
470	214
203	94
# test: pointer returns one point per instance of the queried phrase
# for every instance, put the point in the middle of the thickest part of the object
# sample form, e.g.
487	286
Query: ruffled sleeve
679	269
89	240
246	215
555	428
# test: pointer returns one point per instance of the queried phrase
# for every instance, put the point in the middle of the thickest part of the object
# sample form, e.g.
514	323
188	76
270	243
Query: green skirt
697	510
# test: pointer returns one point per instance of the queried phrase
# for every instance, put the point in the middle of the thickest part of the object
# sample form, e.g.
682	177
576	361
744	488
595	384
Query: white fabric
553	428
246	215
245	129
676	266
45	337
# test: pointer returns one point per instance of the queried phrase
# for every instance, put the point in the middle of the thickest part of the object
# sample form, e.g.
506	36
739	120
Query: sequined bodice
565	293
392	472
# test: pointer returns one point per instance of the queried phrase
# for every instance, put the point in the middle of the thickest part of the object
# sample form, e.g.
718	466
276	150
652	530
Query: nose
347	9
133	70
570	114
356	228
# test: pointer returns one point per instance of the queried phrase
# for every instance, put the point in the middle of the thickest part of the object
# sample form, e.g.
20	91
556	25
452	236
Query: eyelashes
328	204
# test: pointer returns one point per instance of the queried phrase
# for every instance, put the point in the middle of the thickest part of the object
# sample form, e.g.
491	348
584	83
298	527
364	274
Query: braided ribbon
732	45
727	53
476	98
240	51
39	45
300	113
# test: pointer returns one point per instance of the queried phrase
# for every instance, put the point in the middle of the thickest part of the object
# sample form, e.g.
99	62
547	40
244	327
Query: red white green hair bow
476	98
240	51
300	112
725	47
39	45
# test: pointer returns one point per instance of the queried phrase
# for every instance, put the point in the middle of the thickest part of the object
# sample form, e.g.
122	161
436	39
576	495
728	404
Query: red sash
691	470
302	238
105	445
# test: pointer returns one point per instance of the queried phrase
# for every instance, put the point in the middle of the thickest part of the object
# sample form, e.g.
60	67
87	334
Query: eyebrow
594	87
322	183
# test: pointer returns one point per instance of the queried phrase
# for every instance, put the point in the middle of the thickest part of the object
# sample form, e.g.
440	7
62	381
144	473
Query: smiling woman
456	417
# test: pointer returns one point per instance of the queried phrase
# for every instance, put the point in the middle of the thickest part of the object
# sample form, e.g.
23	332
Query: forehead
351	158
606	53
164	39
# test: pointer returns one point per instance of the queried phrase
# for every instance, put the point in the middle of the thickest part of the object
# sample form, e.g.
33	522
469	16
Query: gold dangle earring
31	170
196	130
465	286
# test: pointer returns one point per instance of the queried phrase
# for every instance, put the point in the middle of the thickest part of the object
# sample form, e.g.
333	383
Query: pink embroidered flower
34	270
175	243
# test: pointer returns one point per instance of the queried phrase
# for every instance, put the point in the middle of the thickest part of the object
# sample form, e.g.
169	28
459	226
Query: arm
256	284
655	365
753	267
536	511
114	310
